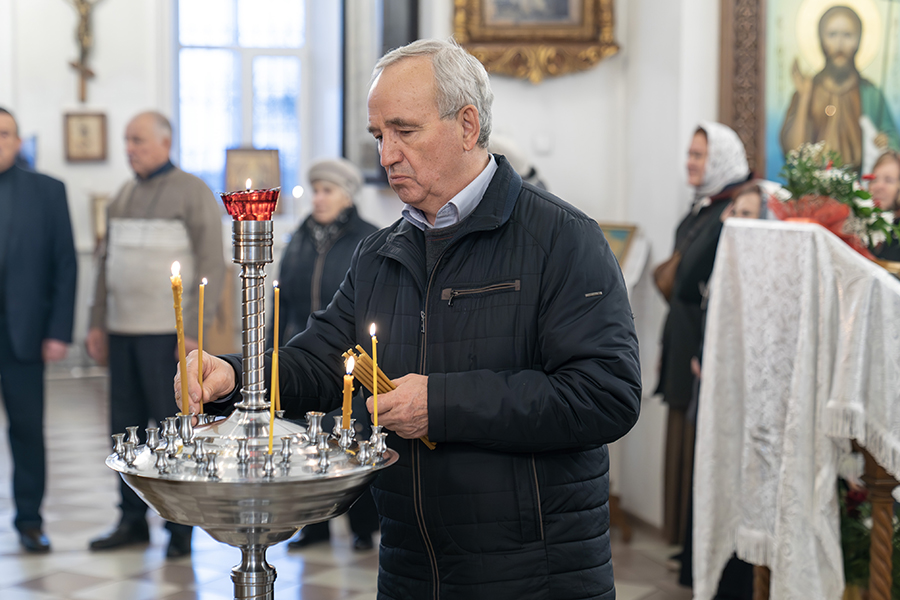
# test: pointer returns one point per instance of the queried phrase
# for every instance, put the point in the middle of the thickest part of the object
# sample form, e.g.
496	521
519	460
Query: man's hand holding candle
404	410
218	380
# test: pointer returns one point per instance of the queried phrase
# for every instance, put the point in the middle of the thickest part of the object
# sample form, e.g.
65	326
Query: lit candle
179	329
203	283
348	391
276	392
374	373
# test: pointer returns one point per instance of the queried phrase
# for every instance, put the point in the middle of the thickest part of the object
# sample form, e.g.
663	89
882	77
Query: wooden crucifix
85	38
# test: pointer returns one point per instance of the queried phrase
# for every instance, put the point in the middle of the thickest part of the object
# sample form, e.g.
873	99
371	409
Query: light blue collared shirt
460	206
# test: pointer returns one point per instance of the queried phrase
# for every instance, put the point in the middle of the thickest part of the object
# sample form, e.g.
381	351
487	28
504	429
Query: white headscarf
726	160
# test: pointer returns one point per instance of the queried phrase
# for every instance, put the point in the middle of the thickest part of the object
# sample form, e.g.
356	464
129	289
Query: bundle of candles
368	373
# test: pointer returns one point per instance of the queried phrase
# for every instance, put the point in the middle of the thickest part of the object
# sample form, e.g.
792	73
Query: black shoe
125	534
306	540
34	540
363	543
179	545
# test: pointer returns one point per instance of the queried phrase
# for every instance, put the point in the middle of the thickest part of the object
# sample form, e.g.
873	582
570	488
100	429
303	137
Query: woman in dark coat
717	166
314	264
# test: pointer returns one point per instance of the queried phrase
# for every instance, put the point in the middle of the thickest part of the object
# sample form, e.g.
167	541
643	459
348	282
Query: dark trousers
141	371
22	388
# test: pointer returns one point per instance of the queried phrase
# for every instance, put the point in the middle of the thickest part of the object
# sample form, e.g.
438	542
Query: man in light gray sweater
160	216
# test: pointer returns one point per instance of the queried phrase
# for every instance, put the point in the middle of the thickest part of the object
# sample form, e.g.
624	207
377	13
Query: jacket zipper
417	476
449	294
537	490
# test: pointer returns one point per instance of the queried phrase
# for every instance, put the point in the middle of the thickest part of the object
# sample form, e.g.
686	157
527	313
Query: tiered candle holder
219	475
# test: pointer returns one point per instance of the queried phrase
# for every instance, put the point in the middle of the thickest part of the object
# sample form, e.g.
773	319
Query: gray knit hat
338	171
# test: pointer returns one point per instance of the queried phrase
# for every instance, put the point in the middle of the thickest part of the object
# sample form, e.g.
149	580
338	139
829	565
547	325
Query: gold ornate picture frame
515	37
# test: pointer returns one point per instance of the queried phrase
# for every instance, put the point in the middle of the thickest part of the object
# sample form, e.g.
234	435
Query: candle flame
203	281
350	364
176	268
249	183
372	330
275	283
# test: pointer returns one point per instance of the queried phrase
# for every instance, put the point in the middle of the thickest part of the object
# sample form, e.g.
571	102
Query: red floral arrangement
819	189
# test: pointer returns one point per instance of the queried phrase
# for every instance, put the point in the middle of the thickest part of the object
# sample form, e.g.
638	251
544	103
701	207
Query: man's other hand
404	410
53	350
97	345
218	380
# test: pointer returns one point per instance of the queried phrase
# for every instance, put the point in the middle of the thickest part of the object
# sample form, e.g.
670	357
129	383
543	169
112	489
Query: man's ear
471	126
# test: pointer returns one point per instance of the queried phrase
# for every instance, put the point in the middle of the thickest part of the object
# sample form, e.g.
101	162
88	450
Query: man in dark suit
37	305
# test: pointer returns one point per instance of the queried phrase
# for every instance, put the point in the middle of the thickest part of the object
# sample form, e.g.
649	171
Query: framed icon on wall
85	137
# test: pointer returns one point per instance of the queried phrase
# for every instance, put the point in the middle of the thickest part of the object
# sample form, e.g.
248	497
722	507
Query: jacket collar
405	243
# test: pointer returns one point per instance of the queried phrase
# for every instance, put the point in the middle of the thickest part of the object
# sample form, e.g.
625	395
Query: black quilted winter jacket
525	331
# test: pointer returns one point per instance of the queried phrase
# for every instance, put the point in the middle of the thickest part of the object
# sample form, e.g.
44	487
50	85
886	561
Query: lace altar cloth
802	353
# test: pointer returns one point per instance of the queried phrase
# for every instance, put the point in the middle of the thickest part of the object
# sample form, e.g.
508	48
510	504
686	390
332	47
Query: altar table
801	354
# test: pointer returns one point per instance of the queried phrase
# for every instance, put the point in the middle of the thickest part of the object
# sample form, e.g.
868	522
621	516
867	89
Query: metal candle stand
219	475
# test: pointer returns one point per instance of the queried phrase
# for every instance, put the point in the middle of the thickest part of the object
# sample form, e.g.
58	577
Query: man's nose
390	153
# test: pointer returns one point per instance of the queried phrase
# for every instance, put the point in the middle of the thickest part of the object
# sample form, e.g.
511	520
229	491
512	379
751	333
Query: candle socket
212	466
338	425
243	453
152	438
132	435
185	429
322	448
286	449
269	465
162	464
314	425
364	453
279	414
346	439
377	439
322	443
119	445
172	445
199	452
169	427
130	456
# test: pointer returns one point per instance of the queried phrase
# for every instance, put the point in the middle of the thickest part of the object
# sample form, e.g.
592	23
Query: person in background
160	216
717	167
312	269
38	271
885	190
504	322
736	581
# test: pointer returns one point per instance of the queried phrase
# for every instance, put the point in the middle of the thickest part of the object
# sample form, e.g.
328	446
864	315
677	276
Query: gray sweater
173	196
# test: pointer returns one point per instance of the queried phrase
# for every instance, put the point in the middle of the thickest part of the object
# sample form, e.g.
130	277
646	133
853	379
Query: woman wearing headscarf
717	167
313	267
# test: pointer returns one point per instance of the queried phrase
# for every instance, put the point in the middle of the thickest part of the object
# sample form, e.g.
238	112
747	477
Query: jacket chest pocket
472	293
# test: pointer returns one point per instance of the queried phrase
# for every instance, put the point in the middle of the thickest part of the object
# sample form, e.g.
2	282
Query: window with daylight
243	82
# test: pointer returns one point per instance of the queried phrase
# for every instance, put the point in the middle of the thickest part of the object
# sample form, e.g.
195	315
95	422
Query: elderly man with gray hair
503	320
160	216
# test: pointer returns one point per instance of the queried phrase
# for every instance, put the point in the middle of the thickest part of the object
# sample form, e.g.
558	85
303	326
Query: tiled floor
81	503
